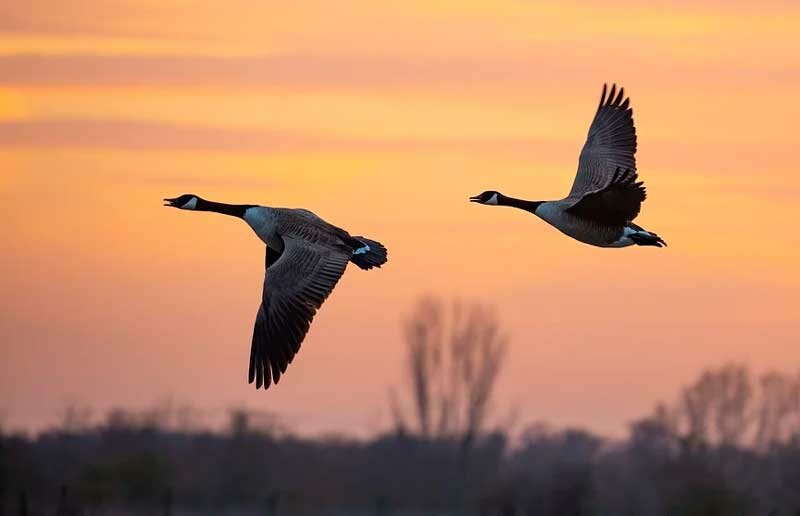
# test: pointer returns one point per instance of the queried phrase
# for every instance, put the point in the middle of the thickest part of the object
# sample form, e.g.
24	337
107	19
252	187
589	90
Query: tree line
728	444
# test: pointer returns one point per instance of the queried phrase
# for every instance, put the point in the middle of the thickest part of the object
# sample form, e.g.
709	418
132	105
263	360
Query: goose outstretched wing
296	284
608	158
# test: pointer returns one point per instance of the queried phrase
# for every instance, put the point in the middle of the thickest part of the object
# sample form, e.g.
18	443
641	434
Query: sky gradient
383	118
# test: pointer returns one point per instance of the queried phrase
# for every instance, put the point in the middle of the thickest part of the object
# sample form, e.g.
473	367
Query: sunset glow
383	118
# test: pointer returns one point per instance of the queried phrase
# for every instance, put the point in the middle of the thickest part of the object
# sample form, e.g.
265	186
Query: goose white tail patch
362	250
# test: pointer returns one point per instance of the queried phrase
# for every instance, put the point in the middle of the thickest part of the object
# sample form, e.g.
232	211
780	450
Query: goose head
183	202
489	197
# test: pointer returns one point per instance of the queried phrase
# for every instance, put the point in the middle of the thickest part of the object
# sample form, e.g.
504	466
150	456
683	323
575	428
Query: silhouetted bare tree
716	406
778	413
455	353
728	407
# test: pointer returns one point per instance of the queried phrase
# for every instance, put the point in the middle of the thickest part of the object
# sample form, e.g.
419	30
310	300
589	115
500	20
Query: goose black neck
522	204
234	210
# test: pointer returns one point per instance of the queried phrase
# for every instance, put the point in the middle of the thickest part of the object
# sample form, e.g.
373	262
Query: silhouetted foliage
687	458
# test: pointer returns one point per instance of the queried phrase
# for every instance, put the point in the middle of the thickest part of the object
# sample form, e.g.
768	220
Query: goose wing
616	204
296	284
607	165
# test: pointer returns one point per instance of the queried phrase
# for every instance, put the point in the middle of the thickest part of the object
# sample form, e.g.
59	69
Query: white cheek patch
192	204
492	200
362	250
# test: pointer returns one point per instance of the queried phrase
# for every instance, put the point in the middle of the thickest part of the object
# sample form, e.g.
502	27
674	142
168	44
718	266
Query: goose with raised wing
305	257
606	196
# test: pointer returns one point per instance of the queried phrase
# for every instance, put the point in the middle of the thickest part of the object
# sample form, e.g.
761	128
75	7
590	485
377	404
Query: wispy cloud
327	71
681	165
127	134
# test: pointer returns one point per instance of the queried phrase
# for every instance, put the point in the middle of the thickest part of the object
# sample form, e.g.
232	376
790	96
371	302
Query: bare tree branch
454	358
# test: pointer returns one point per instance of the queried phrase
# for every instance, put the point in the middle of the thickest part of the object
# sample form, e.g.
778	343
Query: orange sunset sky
384	117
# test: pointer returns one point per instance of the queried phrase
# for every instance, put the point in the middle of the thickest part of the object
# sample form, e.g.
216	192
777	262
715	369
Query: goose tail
647	238
370	254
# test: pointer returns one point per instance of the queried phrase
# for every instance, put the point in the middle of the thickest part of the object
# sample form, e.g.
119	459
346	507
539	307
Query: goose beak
170	202
475	198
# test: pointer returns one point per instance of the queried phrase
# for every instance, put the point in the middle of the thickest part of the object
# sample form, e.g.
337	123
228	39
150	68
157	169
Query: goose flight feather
610	145
296	283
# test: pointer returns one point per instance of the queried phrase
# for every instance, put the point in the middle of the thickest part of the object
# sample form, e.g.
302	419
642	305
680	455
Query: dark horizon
719	448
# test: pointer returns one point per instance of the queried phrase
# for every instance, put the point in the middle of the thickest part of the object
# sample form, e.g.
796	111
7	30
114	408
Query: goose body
606	195
305	257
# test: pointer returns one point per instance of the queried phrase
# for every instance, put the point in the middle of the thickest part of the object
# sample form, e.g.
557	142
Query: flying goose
305	257
606	196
